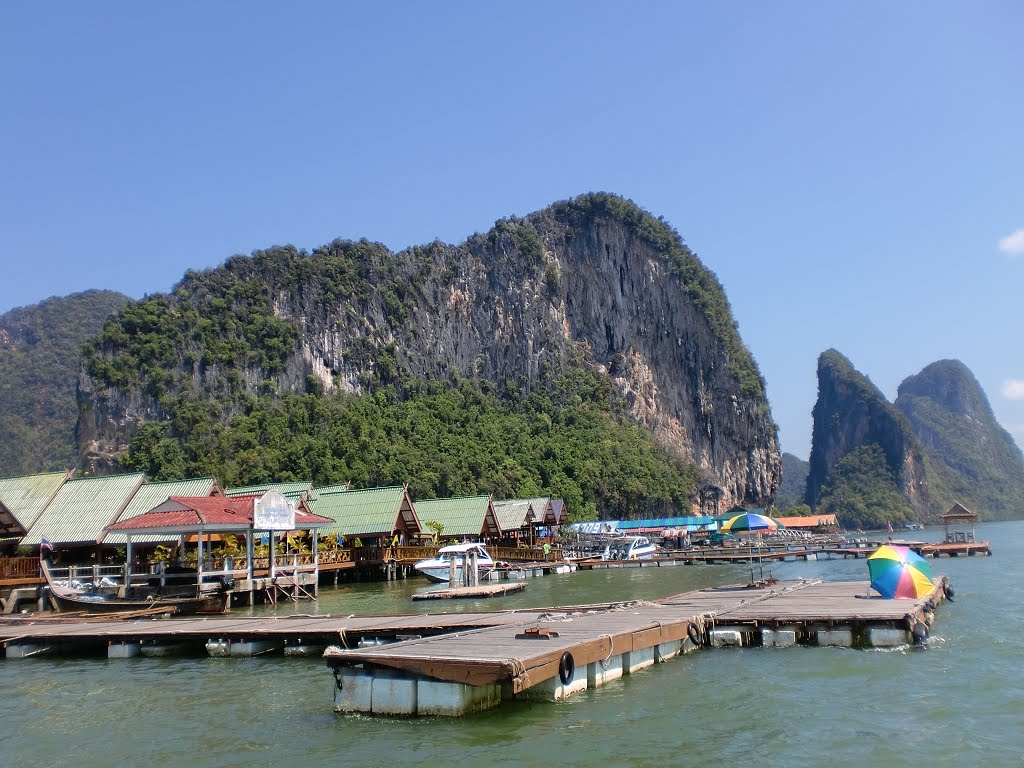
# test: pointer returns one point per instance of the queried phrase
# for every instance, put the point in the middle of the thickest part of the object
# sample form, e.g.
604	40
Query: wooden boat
177	600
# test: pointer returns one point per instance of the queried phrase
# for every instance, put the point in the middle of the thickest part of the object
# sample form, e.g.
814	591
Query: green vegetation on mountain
873	462
976	460
254	371
39	363
445	439
862	491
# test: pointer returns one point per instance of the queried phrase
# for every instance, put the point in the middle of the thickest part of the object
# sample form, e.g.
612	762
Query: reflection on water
959	703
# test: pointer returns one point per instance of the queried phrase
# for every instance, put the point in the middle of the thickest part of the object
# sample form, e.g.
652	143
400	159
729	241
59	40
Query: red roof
194	512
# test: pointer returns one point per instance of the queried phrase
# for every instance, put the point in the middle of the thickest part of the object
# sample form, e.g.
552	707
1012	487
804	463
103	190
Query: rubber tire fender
949	592
566	668
693	632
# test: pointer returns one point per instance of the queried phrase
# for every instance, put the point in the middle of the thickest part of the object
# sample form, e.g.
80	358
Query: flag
45	544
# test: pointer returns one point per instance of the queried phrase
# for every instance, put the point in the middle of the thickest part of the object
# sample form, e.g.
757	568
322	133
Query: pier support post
392	693
25	650
839	638
665	651
436	697
637	659
553	689
778	638
601	672
124	650
887	637
725	638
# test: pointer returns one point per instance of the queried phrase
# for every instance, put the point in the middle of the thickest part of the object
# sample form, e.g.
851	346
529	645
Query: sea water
960	702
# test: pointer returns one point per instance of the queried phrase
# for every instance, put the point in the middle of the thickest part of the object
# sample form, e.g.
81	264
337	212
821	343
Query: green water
960	703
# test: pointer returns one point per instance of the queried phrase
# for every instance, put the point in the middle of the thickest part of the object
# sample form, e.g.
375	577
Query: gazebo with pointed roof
960	515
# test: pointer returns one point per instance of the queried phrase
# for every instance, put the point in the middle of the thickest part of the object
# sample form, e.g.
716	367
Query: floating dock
457	663
463	593
776	553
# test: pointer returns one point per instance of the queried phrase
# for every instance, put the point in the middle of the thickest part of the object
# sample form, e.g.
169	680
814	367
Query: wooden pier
456	663
776	553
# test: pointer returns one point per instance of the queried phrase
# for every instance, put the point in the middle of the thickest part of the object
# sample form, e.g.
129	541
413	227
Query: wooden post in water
451	572
474	574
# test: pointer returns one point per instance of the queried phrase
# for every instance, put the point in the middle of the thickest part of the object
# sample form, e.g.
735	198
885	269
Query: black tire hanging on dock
566	668
693	632
920	634
947	590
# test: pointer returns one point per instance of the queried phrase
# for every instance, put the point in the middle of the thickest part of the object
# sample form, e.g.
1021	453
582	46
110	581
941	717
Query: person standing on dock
547	551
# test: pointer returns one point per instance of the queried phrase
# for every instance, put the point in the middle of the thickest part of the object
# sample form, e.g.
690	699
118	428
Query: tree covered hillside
445	439
582	351
39	361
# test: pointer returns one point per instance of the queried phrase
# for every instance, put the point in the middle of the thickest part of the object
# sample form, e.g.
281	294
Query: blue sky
853	173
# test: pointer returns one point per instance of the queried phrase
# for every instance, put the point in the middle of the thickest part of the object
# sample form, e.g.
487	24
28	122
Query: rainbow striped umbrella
899	572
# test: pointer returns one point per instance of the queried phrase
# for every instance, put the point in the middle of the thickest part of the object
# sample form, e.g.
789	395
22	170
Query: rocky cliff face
594	282
978	461
851	412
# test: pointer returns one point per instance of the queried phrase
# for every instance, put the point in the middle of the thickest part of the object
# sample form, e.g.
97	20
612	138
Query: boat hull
213	603
439	574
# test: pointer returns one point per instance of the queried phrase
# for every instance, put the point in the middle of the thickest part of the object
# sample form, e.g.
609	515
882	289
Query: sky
853	173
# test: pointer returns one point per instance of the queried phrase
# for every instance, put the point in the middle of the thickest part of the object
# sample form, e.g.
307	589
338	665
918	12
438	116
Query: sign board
272	512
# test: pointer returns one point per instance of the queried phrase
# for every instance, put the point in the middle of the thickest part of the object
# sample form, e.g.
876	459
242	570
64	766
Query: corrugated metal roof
514	514
82	508
152	494
543	511
292	491
461	516
25	497
366	512
187	514
558	506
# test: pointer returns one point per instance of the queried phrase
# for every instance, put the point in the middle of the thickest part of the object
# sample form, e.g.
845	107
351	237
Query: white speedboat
630	548
437	569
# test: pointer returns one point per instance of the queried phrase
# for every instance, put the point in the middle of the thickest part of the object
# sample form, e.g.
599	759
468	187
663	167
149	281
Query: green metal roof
24	498
367	512
82	508
461	516
514	514
152	494
291	491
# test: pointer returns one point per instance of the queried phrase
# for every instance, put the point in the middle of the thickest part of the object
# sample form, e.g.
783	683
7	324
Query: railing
19	567
526	554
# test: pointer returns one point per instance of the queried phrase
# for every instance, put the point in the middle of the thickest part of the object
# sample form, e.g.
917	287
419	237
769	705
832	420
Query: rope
606	661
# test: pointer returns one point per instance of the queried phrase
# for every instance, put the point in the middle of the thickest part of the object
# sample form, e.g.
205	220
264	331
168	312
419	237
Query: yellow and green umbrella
899	572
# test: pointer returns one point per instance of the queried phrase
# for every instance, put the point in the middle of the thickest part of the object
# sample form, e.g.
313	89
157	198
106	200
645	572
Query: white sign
272	512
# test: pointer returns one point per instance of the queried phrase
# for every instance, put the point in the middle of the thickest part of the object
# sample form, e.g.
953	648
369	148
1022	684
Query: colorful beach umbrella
899	572
751	522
